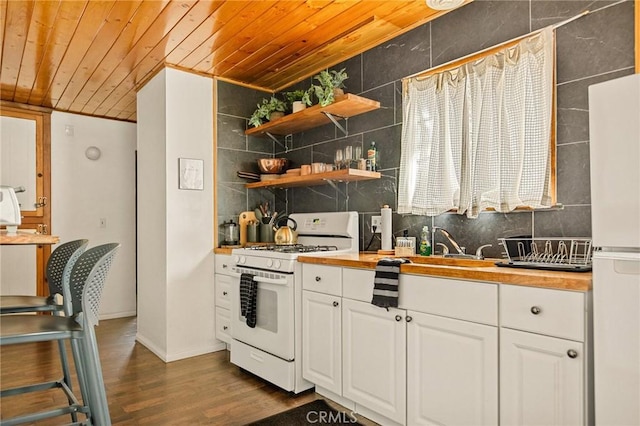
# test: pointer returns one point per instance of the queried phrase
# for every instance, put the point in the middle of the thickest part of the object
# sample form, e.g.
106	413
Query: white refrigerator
614	127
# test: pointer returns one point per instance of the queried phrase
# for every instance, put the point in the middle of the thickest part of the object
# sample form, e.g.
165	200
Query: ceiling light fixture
444	4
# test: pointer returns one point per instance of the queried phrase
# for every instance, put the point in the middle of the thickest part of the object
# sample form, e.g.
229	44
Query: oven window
267	310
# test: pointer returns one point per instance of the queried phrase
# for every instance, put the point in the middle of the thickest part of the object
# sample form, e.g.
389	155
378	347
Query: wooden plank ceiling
90	57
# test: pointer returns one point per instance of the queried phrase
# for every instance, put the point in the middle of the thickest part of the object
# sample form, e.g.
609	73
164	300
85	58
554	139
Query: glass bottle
425	245
372	157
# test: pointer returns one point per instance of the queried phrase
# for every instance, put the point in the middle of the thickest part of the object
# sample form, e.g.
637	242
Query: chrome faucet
448	236
460	250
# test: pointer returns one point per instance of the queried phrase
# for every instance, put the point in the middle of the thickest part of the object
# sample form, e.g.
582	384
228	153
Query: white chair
86	282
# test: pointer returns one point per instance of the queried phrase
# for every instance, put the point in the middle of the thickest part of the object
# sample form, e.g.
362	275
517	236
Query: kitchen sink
452	261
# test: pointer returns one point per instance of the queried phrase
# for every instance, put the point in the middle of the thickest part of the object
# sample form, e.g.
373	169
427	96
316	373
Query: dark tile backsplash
594	48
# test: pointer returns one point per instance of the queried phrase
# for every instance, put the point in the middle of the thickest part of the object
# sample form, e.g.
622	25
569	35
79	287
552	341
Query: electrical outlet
376	224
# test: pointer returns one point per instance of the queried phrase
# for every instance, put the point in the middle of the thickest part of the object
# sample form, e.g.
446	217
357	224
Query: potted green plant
270	109
331	84
298	100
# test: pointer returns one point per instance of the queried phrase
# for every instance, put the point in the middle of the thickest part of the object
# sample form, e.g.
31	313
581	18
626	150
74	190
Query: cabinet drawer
358	284
322	278
223	291
556	313
223	263
223	325
465	300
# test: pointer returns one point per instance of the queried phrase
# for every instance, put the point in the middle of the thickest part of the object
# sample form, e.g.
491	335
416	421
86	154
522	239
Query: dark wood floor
142	389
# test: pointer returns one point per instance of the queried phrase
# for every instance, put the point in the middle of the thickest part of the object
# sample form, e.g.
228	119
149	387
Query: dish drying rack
562	254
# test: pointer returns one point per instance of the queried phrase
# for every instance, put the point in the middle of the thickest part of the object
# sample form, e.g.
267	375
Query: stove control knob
269	263
277	264
236	259
243	260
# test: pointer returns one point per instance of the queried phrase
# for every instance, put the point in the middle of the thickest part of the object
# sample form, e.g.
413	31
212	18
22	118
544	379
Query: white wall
152	224
84	191
175	257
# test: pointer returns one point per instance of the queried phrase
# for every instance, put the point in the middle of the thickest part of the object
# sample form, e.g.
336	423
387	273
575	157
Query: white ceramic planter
297	106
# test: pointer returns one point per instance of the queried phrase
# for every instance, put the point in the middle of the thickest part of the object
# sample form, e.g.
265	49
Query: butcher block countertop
578	281
26	238
222	250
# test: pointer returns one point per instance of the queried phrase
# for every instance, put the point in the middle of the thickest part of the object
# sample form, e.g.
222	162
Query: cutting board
242	221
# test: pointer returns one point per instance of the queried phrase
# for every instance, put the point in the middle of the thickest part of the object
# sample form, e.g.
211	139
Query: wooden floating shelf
347	175
344	106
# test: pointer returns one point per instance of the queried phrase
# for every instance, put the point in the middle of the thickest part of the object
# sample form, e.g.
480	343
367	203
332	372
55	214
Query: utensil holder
266	233
252	233
405	246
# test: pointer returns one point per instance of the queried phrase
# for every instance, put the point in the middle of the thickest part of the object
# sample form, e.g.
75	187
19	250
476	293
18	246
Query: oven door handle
276	281
259	279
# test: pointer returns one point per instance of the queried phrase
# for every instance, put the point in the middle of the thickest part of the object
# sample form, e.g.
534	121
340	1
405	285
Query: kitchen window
479	135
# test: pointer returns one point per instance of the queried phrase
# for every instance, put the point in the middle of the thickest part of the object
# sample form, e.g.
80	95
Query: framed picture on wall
191	173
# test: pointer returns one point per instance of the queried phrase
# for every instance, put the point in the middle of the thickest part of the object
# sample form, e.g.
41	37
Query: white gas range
272	349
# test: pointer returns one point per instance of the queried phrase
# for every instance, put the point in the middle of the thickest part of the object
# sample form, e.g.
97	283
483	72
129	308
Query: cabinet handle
336	304
225	327
224	293
318	279
409	318
224	266
535	310
572	354
398	318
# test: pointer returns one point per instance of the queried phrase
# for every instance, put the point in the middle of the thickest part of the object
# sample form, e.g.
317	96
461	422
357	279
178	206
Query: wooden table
26	238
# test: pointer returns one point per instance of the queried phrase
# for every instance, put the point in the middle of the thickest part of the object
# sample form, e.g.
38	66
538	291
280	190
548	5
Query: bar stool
86	282
58	270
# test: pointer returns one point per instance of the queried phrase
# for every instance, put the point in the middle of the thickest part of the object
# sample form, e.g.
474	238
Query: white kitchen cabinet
541	380
222	283
545	376
445	356
374	358
322	340
452	371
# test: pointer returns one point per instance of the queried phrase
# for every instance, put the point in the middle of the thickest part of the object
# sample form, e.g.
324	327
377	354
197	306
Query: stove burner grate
293	248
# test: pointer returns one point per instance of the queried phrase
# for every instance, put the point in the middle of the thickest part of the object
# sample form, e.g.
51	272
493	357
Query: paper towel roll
386	226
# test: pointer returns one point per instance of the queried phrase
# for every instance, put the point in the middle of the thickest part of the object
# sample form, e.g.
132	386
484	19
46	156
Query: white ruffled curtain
478	136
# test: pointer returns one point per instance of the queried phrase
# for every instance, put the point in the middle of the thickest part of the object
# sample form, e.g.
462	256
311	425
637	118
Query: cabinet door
223	290
541	380
321	340
374	358
452	371
223	324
